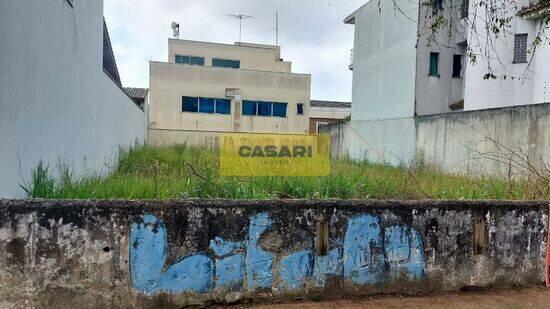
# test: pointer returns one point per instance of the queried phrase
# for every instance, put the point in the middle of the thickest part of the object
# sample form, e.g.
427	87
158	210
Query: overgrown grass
183	172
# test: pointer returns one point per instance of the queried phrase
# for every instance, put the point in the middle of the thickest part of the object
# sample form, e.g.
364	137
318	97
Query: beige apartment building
208	88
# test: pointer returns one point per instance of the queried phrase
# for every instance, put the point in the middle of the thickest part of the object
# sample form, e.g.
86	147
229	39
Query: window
223	106
300	109
265	108
434	64
319	124
189	60
224	63
457	65
190	104
206	105
279	109
437	5
520	48
249	108
465	8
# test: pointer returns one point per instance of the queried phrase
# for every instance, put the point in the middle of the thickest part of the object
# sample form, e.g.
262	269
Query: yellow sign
274	155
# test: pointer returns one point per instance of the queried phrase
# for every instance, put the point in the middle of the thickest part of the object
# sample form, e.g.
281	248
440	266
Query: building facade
210	88
402	68
327	112
61	100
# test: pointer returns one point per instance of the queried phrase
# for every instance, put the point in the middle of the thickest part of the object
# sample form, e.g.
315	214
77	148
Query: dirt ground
536	297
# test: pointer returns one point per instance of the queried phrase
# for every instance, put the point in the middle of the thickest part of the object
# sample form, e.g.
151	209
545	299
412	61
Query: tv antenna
176	29
240	17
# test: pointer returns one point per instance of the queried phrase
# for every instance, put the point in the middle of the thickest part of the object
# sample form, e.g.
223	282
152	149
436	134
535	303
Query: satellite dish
176	28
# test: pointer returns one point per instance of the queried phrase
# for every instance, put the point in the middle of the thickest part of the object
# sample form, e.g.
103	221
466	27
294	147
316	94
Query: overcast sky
312	34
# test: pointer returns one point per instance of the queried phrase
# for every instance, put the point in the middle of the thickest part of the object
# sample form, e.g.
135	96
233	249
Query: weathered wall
384	60
456	142
124	254
56	102
163	138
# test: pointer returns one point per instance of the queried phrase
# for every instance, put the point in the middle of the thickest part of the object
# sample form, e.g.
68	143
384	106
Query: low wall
464	142
67	254
165	137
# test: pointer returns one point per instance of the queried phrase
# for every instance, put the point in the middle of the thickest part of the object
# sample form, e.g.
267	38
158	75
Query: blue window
300	109
279	109
224	63
249	108
434	64
223	106
206	105
190	104
189	60
265	108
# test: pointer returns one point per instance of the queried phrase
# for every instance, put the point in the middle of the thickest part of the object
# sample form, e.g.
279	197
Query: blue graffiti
369	254
259	262
148	252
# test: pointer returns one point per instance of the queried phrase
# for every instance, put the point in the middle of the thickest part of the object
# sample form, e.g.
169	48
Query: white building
60	95
401	69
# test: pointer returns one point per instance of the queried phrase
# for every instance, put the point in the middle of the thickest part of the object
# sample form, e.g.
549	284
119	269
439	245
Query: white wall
56	103
384	61
523	84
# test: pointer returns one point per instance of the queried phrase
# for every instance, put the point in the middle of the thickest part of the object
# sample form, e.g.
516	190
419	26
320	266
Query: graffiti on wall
368	254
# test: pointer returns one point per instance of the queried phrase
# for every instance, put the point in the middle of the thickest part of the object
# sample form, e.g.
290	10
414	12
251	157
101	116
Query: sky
311	33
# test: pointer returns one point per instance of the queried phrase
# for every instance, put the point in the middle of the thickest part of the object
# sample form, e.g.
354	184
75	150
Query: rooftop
330	104
137	93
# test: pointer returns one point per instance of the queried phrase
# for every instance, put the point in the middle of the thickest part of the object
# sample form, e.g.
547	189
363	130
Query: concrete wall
123	254
56	102
252	56
170	82
163	138
384	50
455	142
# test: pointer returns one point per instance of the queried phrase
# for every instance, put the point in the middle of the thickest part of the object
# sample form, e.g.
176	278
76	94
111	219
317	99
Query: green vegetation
183	172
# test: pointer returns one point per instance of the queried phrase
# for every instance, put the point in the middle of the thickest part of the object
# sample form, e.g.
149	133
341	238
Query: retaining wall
65	254
473	142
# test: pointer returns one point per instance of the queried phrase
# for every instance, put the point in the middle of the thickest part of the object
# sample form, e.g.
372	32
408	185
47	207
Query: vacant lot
182	172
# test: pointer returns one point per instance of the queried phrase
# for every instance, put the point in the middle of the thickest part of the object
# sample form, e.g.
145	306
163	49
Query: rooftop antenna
240	17
176	29
277	28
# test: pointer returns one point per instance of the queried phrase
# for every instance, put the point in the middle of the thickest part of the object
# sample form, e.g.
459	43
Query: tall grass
185	172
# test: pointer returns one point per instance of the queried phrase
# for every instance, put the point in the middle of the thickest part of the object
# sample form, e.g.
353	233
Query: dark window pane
457	65
520	48
190	104
206	105
223	106
264	108
438	5
465	8
300	109
249	108
182	59
197	60
279	109
223	63
434	64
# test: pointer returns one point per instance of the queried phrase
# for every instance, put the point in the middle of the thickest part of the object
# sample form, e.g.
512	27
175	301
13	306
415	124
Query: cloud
312	34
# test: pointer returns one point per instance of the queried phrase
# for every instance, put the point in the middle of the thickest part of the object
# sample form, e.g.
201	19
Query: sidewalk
536	297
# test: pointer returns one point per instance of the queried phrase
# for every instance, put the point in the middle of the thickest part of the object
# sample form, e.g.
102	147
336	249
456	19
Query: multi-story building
211	88
402	67
326	113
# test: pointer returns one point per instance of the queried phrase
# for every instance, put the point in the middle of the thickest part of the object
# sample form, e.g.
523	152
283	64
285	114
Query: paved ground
517	298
